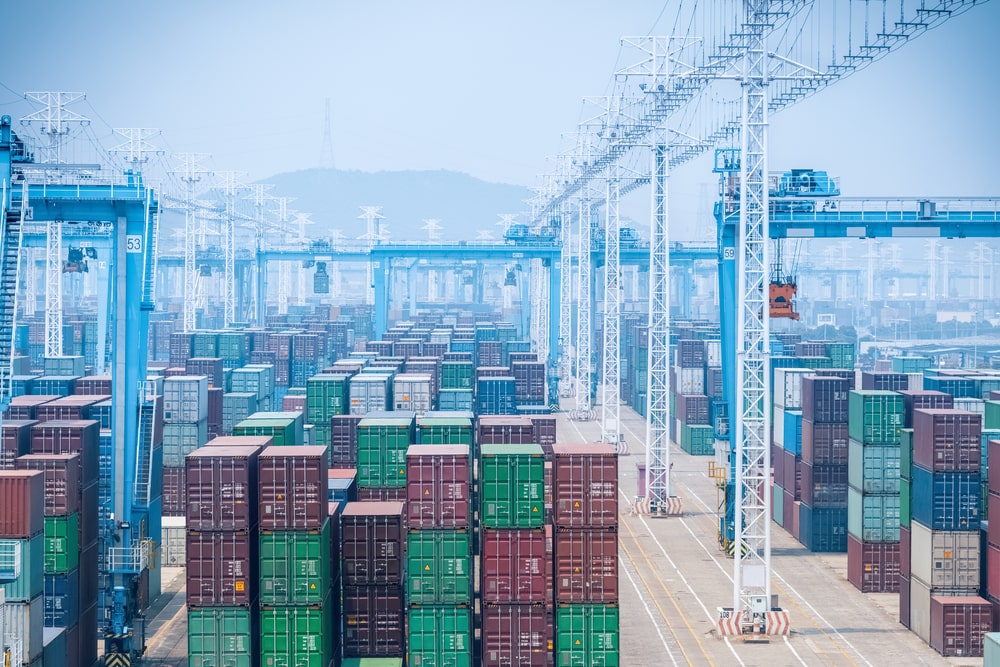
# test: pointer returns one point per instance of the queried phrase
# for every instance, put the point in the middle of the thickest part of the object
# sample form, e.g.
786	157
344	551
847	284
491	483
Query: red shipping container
692	409
22	502
438	487
15	441
586	565
515	565
294	403
25	407
993	571
505	430
93	385
544	428
947	440
293	488
381	495
873	568
221	485
344	440
221	568
261	441
210	367
904	552
824	485
175	491
515	634
68	408
62	480
824	399
787	506
792	469
993	527
88	516
824	444
215	400
993	472
958	625
904	602
777	464
70	437
919	399
372	541
584	486
373	621
796	516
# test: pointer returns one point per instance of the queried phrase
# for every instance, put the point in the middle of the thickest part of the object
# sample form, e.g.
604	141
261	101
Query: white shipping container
412	391
915	381
369	393
976	405
778	427
173	547
155	382
920	609
690	381
713	352
179	440
24	620
185	398
944	558
991	649
787	388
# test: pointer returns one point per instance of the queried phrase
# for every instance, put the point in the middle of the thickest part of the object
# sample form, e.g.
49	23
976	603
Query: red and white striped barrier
776	622
671	507
729	622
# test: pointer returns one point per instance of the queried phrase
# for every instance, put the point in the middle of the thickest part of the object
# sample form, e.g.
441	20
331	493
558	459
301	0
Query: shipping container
587	635
873	468
62	480
22	495
173	542
292	488
370	392
945	500
62	599
295	566
825	399
585	486
875	416
823	529
516	634
222	483
873	518
944	559
372	543
223	636
946	440
959	624
30	582
439	636
788	387
439	567
516	566
586	565
824	485
413	392
342	486
24	620
444	431
873	568
221	569
824	444
299	636
62	543
373	621
511	486
439	486
185	398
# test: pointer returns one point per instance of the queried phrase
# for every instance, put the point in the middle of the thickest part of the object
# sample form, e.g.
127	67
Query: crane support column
610	399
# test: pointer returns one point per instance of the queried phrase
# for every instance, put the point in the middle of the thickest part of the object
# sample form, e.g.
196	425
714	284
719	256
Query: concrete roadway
674	576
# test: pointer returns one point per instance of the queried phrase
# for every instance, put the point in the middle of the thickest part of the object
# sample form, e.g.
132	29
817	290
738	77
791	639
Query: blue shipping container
342	490
945	500
793	431
62	609
823	529
455	400
496	396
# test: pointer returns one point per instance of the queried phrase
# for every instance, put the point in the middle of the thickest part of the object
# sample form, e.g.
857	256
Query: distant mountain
464	205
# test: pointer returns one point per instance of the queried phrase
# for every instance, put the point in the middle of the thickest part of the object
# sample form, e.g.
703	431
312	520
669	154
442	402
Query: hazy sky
483	88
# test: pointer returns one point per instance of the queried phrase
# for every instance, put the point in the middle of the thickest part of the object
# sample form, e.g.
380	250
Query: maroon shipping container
873	568
824	444
777	464
792	470
584	486
25	407
174	491
844	373
993	472
70	437
372	541
294	403
505	430
885	381
62	480
438	487
262	441
215	401
904	552
993	571
67	408
690	353
93	385
947	440
958	625
333	511
22	502
515	634
515	565
221	568
88	516
381	495
993	527
293	488
786	509
373	621
221	485
344	440
904	601
824	485
921	399
15	441
824	399
810	349
544	427
692	409
586	565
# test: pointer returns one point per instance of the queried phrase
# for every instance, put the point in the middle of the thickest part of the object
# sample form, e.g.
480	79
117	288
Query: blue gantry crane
129	511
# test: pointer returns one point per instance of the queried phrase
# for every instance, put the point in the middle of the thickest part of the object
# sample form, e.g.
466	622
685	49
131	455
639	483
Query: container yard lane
674	576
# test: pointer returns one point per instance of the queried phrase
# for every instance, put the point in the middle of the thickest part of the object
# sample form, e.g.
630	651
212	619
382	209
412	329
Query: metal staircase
144	457
10	255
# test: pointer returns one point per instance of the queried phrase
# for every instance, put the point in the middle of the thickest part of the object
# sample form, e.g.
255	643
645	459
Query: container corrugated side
515	634
373	621
439	486
221	485
300	636
223	636
439	567
585	486
587	635
439	635
944	559
22	497
295	566
512	486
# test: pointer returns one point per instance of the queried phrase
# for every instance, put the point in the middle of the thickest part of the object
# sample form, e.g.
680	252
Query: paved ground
673	578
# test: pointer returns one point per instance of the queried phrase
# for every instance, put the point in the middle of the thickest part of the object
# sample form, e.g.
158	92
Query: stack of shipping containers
875	423
22	539
691	429
787	455
185	416
823	510
382	441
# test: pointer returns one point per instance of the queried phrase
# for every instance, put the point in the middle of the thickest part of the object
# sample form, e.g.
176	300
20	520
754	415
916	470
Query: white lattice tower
301	222
230	185
55	122
53	289
611	360
190	173
30	301
136	150
584	310
371	215
506	220
565	357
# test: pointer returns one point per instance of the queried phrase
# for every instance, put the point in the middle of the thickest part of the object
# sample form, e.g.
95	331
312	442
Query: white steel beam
610	397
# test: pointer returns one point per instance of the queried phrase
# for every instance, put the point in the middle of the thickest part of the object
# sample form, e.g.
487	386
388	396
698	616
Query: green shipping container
326	396
991	416
873	468
587	635
841	355
904	503
31	582
697	439
511	486
875	417
295	566
457	374
778	505
873	518
439	567
282	431
299	636
910	364
62	543
382	445
905	452
444	431
816	363
220	636
439	636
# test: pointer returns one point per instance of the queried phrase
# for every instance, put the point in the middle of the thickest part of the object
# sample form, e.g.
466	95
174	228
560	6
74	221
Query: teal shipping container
873	469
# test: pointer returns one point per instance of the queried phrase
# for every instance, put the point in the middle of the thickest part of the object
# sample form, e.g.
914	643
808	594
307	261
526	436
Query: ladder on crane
144	457
10	256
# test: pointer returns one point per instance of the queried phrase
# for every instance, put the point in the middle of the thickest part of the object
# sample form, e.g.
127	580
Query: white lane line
799	595
649	612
